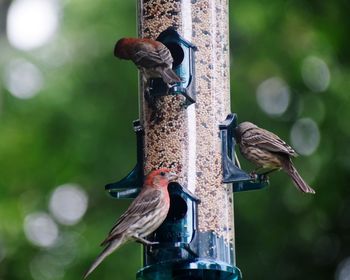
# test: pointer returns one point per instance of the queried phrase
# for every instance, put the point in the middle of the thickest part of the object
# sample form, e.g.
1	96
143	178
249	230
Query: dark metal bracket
242	181
130	185
182	52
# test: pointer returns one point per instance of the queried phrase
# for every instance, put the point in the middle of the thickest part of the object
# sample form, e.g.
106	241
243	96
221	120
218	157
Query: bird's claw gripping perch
254	175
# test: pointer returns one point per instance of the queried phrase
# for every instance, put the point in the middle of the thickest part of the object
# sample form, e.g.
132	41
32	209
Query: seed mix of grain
171	140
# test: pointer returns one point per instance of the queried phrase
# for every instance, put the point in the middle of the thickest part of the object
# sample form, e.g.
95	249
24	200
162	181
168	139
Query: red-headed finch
267	150
144	215
152	58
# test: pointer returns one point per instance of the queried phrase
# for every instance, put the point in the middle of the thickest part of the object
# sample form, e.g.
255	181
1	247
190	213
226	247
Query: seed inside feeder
187	139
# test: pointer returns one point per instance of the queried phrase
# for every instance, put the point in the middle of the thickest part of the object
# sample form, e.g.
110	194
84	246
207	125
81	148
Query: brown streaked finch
151	57
154	60
144	215
267	150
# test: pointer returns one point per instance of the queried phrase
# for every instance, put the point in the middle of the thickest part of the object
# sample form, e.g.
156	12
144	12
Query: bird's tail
110	248
297	180
169	76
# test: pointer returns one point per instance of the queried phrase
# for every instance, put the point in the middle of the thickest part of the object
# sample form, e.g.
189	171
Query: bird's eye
162	173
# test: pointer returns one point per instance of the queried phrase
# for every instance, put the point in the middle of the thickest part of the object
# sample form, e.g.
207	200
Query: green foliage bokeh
79	129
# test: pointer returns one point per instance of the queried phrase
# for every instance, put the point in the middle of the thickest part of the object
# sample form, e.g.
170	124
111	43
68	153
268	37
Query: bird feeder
196	241
182	52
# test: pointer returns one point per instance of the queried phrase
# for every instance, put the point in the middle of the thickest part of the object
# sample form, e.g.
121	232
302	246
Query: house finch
152	58
144	215
267	150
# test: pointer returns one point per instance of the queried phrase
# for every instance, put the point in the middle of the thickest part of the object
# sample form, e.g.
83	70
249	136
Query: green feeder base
198	269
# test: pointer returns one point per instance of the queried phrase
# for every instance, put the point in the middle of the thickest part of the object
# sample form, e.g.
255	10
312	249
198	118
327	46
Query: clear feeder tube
186	139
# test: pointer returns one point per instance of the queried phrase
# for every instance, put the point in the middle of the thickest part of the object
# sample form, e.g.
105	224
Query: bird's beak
172	176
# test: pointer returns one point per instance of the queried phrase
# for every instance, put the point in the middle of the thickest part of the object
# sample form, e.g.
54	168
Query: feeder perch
182	52
130	185
241	180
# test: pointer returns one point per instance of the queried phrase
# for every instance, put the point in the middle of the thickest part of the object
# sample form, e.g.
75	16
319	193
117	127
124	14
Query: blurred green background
66	112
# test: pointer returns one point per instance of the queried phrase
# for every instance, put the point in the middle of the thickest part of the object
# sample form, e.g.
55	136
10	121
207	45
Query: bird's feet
264	177
259	176
253	175
150	243
144	241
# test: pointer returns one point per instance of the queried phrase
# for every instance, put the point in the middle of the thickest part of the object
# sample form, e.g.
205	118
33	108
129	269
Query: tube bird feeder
194	137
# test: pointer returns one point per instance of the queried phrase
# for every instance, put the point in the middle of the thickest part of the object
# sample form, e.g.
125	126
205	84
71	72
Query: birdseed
187	140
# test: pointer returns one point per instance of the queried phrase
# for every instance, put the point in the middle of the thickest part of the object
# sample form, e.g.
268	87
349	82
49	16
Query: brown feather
144	215
142	205
267	150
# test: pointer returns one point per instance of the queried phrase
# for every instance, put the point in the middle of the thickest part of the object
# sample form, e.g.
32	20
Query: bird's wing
144	203
150	57
165	54
267	140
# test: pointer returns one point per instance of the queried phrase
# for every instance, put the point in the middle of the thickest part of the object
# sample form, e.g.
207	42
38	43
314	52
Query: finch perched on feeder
267	150
151	57
144	215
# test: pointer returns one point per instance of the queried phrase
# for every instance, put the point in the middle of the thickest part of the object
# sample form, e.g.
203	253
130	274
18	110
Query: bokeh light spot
40	229
23	79
305	136
315	73
343	270
273	96
68	204
31	23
